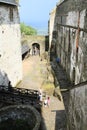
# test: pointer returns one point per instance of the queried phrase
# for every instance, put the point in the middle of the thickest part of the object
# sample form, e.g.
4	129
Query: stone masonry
71	49
10	43
70	38
30	40
77	111
52	26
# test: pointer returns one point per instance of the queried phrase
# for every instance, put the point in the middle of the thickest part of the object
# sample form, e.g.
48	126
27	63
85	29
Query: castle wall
71	38
51	26
71	48
77	110
10	47
30	40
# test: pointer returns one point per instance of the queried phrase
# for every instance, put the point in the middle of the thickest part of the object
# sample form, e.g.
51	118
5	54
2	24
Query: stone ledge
21	112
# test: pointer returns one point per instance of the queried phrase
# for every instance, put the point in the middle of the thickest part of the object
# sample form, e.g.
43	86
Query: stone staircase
63	83
61	76
17	96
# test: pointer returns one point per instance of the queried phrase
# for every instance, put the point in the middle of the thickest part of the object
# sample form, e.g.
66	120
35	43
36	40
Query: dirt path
31	73
52	117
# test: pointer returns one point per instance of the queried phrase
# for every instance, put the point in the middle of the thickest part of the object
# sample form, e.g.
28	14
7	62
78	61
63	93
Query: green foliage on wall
27	30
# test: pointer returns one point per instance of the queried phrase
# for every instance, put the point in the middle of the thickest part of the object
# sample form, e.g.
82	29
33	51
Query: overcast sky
36	11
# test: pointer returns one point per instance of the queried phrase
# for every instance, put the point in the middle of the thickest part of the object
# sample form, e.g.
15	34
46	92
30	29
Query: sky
36	12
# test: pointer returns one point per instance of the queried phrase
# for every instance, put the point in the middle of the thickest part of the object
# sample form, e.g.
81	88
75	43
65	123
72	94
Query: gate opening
35	49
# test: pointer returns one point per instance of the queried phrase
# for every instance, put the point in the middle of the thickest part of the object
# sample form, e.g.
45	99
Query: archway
35	49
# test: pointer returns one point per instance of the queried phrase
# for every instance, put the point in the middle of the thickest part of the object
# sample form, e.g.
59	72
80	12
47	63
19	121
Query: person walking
40	97
48	101
45	102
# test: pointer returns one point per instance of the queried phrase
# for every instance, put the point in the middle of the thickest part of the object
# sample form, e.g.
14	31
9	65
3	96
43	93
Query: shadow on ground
60	120
42	125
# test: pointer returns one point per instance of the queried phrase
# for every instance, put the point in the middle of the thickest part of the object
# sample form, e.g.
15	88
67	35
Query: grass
48	88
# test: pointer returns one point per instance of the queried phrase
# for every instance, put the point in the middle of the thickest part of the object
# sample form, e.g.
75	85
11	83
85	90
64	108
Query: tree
27	30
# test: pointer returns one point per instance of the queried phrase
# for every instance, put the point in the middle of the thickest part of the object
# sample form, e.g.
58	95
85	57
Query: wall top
10	2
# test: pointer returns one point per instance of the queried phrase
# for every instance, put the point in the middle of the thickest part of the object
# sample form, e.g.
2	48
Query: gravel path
53	117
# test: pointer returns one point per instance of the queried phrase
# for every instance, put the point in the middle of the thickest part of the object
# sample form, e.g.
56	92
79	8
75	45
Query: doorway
73	76
35	49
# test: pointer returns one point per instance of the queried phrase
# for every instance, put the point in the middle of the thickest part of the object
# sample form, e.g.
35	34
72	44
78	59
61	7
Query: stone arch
31	40
35	48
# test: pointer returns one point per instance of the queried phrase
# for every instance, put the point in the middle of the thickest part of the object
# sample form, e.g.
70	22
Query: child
48	101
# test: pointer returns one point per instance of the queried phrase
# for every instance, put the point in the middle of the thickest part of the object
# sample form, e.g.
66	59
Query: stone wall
10	47
30	40
18	113
51	25
68	15
71	48
77	108
70	5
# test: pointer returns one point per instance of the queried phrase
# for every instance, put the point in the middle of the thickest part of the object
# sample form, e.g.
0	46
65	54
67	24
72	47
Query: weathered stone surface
23	112
10	45
11	2
30	40
77	110
57	93
69	15
71	47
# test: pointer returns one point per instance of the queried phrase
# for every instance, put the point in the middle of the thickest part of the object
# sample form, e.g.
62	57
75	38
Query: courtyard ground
54	116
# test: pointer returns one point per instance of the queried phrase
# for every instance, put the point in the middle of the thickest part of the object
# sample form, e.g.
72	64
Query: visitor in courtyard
45	102
34	52
40	97
58	60
9	86
40	94
48	101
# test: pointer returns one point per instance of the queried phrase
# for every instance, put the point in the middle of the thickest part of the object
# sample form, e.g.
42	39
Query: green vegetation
27	30
48	88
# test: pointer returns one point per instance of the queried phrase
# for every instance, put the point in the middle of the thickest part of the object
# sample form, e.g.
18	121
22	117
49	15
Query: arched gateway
35	49
36	44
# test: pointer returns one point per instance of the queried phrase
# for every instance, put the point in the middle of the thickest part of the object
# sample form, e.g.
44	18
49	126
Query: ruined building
68	42
10	45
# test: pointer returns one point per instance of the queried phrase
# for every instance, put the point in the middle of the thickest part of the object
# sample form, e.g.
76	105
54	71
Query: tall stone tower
10	43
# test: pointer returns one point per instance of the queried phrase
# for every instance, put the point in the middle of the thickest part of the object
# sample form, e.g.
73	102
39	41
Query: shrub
27	30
